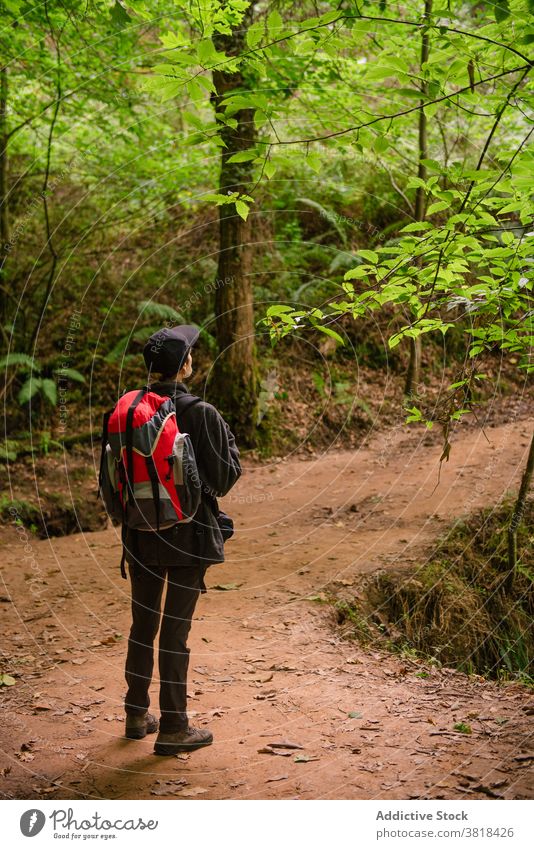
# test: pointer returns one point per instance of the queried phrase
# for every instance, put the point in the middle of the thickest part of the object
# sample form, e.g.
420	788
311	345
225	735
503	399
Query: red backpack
148	473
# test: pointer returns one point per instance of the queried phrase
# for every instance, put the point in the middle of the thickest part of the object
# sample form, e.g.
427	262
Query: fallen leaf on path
193	791
303	759
111	639
481	788
269	695
226	587
267	750
6	680
277	778
25	756
168	788
5	771
264	679
354	714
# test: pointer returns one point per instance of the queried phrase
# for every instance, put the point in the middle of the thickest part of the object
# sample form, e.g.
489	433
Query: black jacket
200	541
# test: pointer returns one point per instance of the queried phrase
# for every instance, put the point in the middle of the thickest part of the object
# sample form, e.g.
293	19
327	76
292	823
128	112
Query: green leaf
269	169
274	24
354	714
6	680
371	256
417	225
381	144
15	359
119	15
29	389
70	374
279	309
356	273
172	40
49	390
205	51
438	206
153	308
243	156
242	209
255	34
314	161
501	10
329	332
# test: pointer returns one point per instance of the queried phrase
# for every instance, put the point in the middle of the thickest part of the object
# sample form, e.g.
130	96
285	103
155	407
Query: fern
70	374
24	360
49	390
29	389
152	308
118	353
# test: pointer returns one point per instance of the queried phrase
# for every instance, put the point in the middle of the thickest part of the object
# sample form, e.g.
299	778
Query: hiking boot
138	727
182	741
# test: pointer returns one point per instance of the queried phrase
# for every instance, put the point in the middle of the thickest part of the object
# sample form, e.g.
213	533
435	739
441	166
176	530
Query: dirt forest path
267	665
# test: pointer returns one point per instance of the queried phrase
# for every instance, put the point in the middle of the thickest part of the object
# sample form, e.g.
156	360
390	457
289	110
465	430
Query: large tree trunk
234	380
4	195
414	365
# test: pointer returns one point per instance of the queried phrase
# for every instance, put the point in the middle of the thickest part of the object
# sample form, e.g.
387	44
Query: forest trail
267	665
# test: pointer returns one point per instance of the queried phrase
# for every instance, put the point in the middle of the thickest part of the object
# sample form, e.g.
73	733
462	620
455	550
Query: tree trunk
412	374
5	234
516	517
234	380
414	366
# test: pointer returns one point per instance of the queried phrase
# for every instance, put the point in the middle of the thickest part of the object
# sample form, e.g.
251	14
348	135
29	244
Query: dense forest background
339	193
354	137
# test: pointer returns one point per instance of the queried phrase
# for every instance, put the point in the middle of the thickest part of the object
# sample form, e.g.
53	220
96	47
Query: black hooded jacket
200	541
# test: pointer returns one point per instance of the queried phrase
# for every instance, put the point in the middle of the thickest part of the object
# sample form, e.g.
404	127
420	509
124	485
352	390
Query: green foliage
113	150
453	609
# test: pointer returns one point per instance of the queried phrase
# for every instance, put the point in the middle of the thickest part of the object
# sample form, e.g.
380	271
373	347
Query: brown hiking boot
182	741
138	727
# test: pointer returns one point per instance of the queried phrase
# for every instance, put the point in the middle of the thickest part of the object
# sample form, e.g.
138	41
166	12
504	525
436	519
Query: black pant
183	590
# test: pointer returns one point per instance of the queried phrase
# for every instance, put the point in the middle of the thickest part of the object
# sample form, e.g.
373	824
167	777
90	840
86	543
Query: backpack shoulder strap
184	402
